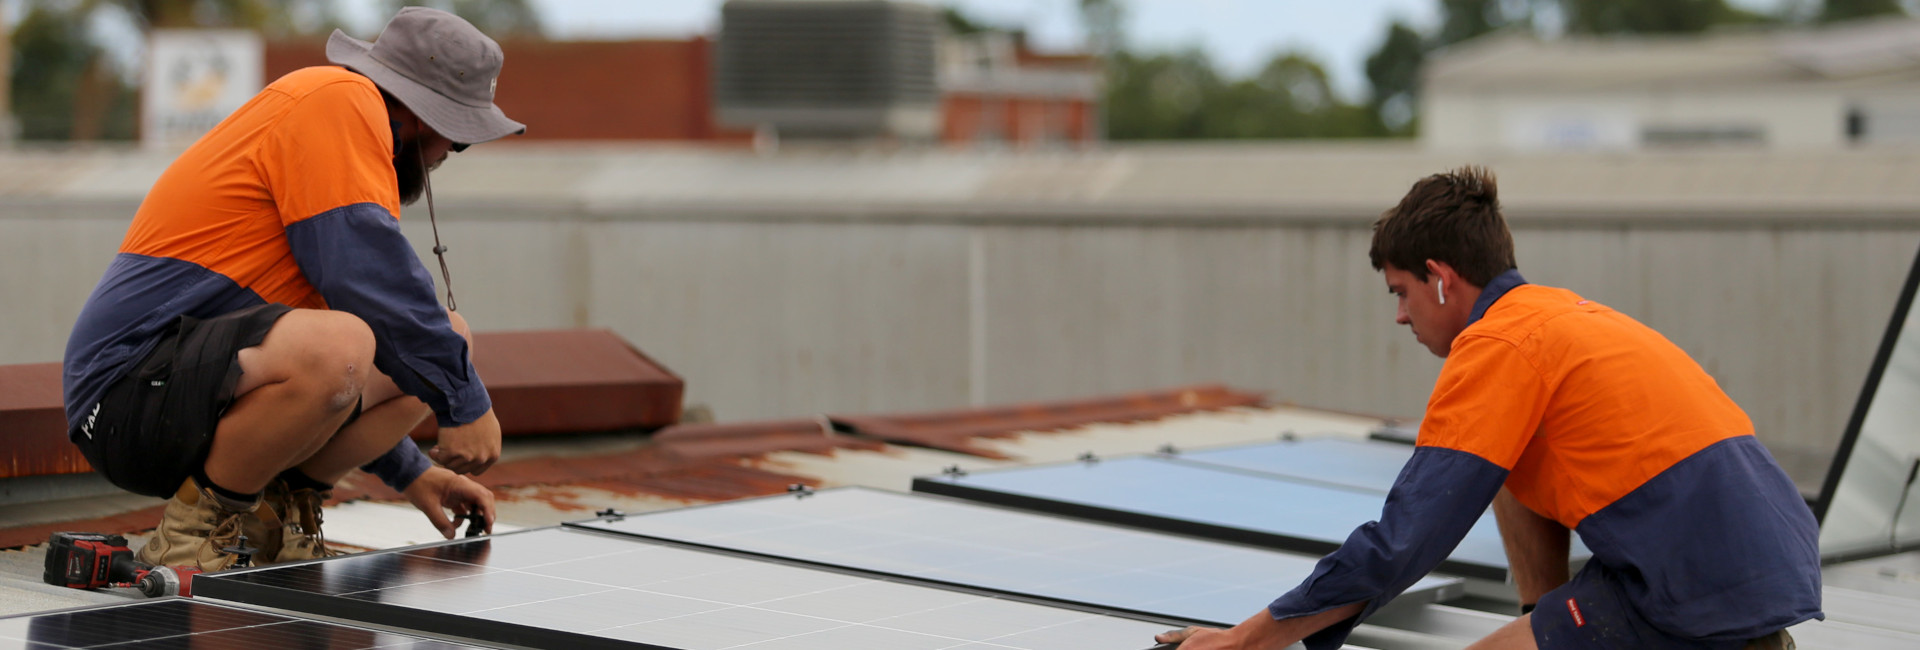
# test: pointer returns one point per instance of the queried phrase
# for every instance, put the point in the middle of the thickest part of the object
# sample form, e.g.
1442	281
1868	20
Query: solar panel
1334	462
578	589
1008	551
1207	501
1870	503
182	623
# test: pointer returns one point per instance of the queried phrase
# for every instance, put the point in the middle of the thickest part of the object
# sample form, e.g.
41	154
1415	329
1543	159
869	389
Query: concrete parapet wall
785	308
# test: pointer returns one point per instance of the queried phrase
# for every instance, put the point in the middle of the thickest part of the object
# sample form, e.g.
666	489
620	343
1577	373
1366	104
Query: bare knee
335	358
460	326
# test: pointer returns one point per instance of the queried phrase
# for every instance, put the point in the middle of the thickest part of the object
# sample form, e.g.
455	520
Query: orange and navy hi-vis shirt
1597	422
292	199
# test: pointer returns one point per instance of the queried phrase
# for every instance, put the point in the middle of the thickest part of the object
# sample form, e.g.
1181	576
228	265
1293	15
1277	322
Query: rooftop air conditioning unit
829	68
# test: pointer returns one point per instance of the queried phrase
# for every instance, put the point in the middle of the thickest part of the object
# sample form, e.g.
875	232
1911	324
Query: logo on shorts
1578	620
87	428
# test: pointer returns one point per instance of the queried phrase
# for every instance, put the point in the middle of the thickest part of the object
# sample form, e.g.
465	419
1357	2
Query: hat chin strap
439	250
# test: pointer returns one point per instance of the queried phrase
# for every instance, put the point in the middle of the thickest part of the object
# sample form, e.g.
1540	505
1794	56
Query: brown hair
1452	217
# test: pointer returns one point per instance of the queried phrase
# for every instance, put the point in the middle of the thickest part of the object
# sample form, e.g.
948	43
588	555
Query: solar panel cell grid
584	589
1336	462
998	549
1208	501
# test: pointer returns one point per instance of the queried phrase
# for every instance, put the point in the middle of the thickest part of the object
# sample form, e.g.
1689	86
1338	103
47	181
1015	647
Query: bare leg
1536	548
1517	635
296	388
388	416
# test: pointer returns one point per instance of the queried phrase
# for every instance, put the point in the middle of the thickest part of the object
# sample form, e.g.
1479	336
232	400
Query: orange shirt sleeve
1488	401
333	148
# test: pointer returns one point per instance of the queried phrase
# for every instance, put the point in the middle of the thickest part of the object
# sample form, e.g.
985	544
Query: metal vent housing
829	68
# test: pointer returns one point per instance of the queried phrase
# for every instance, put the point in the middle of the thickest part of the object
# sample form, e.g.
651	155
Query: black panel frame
946	487
290	615
1851	435
226	587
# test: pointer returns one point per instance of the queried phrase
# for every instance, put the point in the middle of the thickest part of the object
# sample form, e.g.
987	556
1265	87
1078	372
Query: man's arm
1485	408
328	164
1537	548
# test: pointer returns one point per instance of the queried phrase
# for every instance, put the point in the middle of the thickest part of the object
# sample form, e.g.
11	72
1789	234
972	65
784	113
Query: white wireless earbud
1442	286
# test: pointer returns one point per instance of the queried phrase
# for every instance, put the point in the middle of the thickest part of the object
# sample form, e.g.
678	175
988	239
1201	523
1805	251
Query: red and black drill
95	560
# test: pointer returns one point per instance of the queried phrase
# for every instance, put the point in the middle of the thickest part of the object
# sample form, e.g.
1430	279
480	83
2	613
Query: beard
410	172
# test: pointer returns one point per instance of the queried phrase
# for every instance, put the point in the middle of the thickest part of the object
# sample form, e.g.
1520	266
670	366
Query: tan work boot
1776	641
301	538
197	524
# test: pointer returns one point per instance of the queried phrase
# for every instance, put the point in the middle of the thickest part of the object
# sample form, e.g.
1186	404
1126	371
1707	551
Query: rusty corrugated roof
955	430
718	462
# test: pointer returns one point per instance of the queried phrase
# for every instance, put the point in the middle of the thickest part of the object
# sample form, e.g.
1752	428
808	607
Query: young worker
1565	415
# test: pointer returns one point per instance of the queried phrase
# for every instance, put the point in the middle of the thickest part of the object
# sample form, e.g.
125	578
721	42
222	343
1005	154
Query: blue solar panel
1335	462
1003	550
1211	501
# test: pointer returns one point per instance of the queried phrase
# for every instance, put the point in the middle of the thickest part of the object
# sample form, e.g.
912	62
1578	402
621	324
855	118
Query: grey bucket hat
440	66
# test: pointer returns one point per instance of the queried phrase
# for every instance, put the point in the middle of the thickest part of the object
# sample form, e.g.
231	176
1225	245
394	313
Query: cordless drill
94	560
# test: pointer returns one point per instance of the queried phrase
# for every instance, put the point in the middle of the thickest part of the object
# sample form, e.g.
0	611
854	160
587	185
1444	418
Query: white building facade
1847	85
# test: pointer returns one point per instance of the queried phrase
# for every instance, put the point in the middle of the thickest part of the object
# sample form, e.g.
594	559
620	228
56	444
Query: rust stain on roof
757	438
717	462
35	422
956	430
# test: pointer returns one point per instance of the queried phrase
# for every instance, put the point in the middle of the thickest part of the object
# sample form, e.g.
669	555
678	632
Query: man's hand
1200	638
439	490
1259	631
469	448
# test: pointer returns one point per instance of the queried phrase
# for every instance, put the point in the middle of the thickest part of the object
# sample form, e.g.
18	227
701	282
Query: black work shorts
1593	611
154	427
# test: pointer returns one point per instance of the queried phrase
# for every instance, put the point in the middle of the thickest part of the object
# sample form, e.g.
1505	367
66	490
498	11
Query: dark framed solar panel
1196	499
578	589
186	623
1007	551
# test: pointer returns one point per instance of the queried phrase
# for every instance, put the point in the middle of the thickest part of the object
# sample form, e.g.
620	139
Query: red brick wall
1015	120
586	90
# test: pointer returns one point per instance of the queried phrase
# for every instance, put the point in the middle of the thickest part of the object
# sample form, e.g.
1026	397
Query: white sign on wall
194	79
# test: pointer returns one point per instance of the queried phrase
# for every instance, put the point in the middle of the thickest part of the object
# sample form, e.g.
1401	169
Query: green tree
1649	16
55	66
1837	10
1464	19
1182	96
1159	96
1393	71
62	85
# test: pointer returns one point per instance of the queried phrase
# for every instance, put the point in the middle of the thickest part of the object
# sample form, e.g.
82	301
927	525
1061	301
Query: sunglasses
458	147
